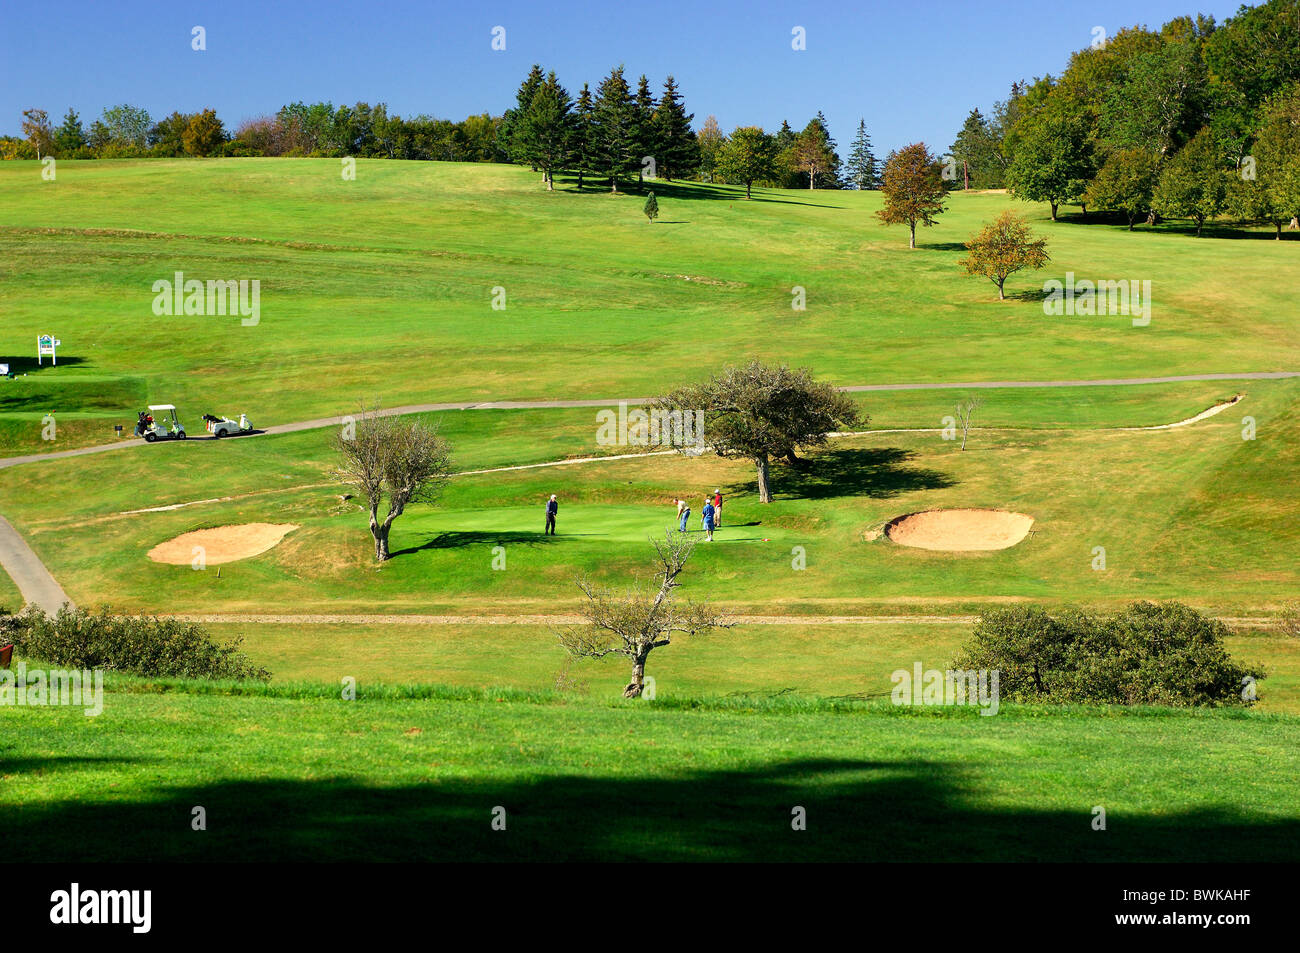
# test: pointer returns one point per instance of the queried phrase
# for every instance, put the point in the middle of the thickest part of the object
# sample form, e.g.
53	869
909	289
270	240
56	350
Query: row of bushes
140	645
1146	654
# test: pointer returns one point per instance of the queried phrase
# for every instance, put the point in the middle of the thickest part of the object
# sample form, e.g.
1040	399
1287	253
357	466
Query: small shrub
1146	654
141	645
1288	622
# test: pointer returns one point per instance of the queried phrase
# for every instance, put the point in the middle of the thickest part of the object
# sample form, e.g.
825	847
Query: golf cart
149	428
225	427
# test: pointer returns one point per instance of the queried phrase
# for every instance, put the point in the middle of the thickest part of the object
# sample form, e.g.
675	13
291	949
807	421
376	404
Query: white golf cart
225	427
153	427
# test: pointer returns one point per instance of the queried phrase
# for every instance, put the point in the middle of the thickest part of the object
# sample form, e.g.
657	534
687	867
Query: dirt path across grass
257	619
560	404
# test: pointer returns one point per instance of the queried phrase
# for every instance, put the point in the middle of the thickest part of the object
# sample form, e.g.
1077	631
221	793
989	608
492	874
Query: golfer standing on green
552	508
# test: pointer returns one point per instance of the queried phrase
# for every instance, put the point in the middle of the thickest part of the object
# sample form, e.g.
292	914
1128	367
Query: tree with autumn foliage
913	188
204	134
812	153
1003	247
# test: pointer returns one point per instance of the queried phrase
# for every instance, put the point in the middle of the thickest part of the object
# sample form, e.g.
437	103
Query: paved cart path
321	422
34	581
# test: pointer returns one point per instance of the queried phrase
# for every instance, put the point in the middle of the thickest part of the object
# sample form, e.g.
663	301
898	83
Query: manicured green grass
10	598
1196	513
380	290
295	778
382	287
804	660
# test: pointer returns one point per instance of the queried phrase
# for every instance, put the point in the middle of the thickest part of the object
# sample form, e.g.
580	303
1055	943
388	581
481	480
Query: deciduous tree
746	157
1194	183
1003	247
386	457
39	132
1053	161
1126	183
913	188
635	623
712	142
812	154
761	412
204	134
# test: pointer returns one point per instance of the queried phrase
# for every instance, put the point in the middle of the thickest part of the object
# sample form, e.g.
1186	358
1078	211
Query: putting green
577	522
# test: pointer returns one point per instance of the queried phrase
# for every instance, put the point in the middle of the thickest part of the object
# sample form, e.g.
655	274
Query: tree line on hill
1194	120
608	134
613	132
297	129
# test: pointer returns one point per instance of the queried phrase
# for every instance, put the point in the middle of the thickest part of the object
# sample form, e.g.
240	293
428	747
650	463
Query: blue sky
912	69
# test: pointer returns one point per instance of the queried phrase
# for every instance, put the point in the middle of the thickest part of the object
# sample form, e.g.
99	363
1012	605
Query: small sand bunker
222	544
959	531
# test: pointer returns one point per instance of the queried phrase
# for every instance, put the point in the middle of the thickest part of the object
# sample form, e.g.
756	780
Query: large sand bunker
222	544
960	530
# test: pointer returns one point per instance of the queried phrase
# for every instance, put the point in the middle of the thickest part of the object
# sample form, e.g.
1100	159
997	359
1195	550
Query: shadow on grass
457	539
880	473
695	192
1234	230
857	810
28	365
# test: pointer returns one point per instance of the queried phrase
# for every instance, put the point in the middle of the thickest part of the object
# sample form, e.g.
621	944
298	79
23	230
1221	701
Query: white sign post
45	344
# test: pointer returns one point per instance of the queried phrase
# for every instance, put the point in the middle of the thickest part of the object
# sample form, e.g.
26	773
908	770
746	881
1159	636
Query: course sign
45	344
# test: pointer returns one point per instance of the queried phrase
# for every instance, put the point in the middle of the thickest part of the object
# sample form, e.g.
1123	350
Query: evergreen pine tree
513	117
581	152
784	174
70	137
862	169
651	207
976	153
543	134
614	128
677	151
643	112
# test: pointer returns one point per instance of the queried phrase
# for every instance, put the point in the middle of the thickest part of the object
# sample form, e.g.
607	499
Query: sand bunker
222	544
960	531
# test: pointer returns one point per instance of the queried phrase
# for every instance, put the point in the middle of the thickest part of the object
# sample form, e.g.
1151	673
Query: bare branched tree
635	623
965	414
386	457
